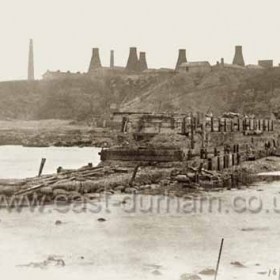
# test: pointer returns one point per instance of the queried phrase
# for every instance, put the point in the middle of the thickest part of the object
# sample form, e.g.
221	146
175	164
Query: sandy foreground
147	241
149	237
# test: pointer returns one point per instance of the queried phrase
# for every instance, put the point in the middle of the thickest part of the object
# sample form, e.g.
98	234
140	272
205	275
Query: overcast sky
64	31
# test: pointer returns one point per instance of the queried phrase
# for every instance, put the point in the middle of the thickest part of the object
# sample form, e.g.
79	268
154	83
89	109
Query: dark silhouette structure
142	62
132	62
238	57
266	63
30	76
112	59
181	58
95	62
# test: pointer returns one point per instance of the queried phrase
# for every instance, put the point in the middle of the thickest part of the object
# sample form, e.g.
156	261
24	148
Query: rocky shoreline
89	182
57	133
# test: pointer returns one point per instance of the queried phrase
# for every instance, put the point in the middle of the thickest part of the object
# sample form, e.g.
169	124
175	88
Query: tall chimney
142	62
112	59
132	62
30	62
181	58
238	57
95	61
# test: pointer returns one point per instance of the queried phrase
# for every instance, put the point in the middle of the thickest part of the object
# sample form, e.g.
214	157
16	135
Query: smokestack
30	76
143	62
238	57
95	60
112	59
132	62
181	58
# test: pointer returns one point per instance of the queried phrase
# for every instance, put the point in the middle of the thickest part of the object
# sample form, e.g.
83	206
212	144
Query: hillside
256	92
251	91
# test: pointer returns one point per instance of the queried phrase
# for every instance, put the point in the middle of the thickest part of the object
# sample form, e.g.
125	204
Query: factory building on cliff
137	64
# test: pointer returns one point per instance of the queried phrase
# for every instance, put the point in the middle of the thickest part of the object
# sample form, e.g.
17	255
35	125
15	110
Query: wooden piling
43	161
133	175
215	152
218	163
225	162
192	132
238	159
201	153
210	164
219	259
205	153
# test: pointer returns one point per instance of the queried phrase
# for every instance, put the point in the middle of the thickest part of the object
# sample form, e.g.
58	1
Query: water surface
155	240
146	245
21	162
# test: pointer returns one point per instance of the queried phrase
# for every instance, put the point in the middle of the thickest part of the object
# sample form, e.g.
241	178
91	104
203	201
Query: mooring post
219	258
218	163
201	153
210	164
43	161
215	152
133	175
192	132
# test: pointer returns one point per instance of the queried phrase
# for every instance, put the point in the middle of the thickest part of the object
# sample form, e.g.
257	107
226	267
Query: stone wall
147	155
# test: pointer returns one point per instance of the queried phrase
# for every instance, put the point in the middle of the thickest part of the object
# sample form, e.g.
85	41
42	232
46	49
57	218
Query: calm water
22	162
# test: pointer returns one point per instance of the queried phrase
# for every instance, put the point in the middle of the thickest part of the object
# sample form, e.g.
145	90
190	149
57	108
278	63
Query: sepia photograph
140	139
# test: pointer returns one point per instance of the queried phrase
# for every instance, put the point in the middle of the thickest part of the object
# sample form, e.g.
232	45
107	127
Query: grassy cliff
250	91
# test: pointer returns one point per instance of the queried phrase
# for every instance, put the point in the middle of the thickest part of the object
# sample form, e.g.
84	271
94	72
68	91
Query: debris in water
50	261
188	276
208	271
154	266
255	229
58	222
238	264
156	272
101	220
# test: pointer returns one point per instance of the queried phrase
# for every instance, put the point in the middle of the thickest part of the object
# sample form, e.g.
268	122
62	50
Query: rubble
188	276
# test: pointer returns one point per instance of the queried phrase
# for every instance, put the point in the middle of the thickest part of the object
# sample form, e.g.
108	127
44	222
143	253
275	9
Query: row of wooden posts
227	125
222	162
231	157
227	150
